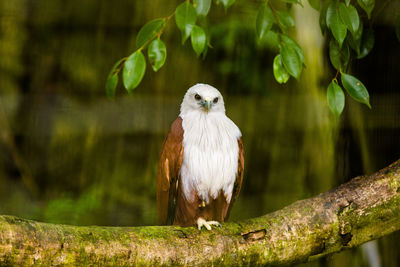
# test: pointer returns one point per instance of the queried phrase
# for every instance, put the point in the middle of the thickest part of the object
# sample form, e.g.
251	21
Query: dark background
69	155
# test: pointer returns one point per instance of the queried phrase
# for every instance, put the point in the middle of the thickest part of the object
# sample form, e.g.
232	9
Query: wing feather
239	178
168	174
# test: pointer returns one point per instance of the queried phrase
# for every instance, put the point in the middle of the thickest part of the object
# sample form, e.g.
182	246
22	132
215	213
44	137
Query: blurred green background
69	155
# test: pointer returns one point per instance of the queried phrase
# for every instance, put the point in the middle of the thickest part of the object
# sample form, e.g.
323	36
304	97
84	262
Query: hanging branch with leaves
341	22
149	36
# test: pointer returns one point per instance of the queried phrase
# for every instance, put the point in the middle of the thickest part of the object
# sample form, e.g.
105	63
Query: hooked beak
206	103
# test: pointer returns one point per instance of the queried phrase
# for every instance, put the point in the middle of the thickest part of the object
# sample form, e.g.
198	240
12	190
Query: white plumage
210	141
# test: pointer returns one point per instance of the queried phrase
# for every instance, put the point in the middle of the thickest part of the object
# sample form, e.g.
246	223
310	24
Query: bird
200	171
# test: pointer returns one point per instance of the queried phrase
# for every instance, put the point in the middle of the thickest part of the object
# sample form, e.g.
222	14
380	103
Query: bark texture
366	208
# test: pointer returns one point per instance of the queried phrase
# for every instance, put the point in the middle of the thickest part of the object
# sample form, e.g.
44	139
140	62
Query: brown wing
168	175
239	178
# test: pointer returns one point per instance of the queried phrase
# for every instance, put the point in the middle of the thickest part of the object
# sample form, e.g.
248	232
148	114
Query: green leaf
333	21
112	79
134	69
367	5
185	18
339	56
335	98
354	44
347	2
354	40
316	4
291	61
111	85
199	39
331	12
334	53
157	53
284	19
148	31
356	89
349	16
367	43
290	42
271	40
280	73
227	3
265	19
322	19
358	34
202	7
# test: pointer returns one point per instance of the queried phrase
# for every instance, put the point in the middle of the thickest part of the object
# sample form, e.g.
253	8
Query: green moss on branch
363	209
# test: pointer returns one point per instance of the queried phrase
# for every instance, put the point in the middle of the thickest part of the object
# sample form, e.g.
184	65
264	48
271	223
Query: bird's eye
215	101
197	97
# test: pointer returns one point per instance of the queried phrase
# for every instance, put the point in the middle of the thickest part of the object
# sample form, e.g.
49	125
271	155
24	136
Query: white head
202	98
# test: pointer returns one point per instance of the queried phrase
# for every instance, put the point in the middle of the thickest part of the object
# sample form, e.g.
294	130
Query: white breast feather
210	158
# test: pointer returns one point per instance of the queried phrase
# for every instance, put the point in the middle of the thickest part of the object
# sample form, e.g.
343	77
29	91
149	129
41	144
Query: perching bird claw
207	224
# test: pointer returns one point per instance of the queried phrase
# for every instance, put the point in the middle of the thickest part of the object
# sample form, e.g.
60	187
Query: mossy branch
363	209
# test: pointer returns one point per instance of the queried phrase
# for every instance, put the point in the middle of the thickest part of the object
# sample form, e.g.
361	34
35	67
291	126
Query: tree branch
363	209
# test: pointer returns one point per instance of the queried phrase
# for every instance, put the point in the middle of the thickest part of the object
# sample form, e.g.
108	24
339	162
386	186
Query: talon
214	223
207	224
